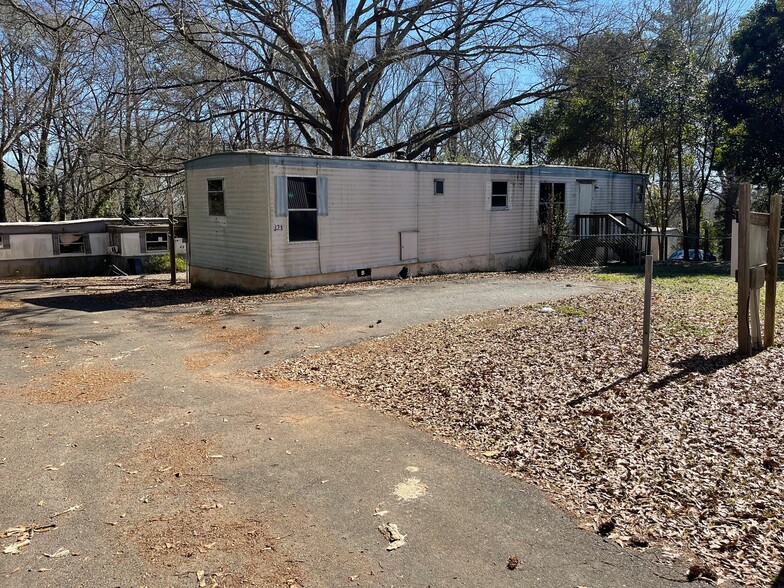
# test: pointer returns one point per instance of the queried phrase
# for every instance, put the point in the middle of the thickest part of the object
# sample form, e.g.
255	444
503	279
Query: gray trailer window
215	198
499	195
551	194
156	241
5	242
71	243
303	209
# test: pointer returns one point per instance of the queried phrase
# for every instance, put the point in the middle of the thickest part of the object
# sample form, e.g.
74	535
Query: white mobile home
270	221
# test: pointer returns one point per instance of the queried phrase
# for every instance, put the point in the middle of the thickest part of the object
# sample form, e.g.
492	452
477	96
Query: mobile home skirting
211	278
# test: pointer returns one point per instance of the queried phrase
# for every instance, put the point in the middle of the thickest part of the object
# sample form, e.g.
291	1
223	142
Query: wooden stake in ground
772	268
646	317
744	210
172	256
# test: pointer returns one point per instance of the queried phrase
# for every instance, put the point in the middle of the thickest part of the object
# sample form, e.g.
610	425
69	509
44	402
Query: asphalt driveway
136	439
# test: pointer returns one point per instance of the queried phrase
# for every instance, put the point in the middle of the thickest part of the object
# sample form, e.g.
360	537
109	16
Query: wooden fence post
744	210
172	255
772	269
646	316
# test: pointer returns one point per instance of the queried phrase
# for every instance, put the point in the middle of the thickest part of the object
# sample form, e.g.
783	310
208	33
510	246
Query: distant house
269	221
81	247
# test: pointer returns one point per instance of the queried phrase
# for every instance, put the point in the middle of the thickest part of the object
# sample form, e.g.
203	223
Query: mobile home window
551	192
156	241
303	209
638	192
215	198
499	195
5	242
438	187
71	243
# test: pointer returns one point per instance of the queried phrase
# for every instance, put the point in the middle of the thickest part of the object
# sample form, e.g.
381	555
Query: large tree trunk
42	171
682	187
729	188
3	217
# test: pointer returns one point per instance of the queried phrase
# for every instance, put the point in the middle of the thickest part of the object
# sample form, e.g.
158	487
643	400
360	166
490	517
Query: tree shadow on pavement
143	297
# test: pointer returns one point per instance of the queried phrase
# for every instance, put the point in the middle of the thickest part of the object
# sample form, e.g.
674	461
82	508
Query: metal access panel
408	245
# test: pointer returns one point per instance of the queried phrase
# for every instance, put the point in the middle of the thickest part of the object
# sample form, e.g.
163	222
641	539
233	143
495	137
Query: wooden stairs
596	235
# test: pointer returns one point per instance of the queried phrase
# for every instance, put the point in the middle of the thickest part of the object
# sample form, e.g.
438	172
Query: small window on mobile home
71	243
499	196
551	194
5	241
438	187
156	241
215	198
303	209
638	192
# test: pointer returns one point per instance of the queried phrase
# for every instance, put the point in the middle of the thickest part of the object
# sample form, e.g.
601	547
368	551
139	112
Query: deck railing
617	231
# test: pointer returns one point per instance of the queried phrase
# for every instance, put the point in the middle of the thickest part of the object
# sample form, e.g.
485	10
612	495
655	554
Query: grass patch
688	328
665	270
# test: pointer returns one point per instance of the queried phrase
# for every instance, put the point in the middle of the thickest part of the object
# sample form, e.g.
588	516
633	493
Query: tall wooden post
744	210
646	315
774	225
172	256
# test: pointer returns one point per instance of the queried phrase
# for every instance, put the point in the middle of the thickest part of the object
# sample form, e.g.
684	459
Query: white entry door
584	197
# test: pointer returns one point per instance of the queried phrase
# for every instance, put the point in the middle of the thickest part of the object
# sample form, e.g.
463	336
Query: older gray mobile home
270	221
84	247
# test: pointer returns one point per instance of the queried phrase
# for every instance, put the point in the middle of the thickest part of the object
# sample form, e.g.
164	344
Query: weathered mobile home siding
617	194
371	203
99	243
367	206
455	224
130	244
33	255
28	247
238	241
461	223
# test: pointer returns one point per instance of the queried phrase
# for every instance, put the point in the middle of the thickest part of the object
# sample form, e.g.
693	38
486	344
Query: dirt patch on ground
28	333
234	337
9	304
214	329
82	385
203	360
188	523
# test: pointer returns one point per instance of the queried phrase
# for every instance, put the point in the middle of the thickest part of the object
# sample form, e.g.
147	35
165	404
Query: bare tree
326	65
22	87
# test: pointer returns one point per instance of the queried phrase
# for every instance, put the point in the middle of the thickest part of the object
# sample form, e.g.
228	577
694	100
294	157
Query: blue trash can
135	266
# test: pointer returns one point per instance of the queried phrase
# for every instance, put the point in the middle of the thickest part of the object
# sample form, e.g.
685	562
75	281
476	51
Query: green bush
159	264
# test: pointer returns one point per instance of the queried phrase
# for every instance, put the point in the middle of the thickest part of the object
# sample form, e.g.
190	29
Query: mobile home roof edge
351	162
88	225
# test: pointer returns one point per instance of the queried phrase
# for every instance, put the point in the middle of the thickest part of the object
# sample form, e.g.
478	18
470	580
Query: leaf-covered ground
689	455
